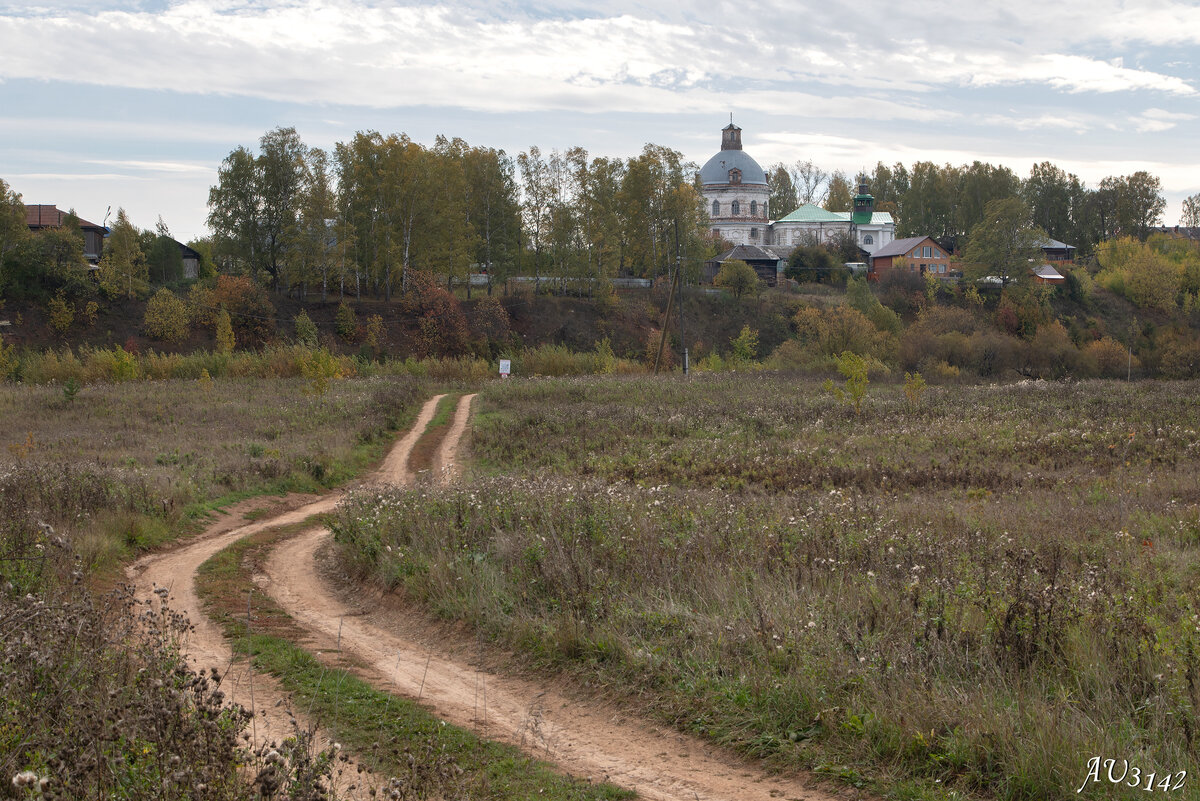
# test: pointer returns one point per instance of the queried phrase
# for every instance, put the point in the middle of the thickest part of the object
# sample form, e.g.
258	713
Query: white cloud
168	167
1155	120
356	53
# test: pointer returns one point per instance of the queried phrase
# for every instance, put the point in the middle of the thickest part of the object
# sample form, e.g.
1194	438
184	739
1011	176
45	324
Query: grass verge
392	736
421	459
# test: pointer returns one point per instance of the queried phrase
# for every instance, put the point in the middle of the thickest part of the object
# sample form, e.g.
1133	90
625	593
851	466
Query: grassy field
965	592
99	701
121	467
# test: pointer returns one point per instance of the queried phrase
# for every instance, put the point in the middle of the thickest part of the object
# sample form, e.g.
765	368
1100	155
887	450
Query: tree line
947	202
366	217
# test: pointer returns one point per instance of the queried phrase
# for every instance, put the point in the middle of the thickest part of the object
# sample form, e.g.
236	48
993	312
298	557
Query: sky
135	103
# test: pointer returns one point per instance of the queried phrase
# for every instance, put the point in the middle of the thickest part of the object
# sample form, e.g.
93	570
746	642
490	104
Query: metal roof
1054	244
750	253
1048	273
48	216
810	213
898	247
716	170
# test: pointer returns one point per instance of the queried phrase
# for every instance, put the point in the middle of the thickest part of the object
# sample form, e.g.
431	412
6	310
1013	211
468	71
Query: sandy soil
585	738
206	646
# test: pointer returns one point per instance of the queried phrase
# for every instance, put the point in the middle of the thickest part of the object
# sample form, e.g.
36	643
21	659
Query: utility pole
679	274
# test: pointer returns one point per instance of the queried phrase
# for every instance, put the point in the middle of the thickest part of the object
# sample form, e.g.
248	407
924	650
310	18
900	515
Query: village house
48	216
916	254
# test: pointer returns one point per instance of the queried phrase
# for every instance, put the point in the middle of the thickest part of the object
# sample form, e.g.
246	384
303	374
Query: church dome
731	157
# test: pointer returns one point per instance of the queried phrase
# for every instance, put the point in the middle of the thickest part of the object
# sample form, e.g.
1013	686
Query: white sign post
505	367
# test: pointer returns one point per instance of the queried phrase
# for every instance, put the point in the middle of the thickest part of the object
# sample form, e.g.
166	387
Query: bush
225	336
745	347
201	306
1107	358
167	317
1052	354
1180	357
833	331
738	277
62	313
250	312
345	322
306	329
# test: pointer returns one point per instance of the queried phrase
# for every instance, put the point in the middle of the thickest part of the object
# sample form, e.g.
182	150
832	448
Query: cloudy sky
135	103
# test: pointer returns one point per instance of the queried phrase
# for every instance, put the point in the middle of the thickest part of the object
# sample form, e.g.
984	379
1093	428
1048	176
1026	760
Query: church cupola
731	137
864	205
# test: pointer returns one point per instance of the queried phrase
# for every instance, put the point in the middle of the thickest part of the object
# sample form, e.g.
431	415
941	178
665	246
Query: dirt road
584	737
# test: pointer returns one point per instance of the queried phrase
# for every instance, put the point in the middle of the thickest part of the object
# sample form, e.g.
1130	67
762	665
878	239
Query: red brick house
919	254
48	216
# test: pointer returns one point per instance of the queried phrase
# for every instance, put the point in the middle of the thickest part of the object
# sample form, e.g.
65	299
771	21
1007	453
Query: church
736	195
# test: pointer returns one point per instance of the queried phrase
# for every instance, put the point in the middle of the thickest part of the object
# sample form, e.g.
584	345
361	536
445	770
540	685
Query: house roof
1183	231
1054	244
1048	273
750	253
48	216
811	213
898	247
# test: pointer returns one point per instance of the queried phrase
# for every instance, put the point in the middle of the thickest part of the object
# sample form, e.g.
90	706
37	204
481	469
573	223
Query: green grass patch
381	729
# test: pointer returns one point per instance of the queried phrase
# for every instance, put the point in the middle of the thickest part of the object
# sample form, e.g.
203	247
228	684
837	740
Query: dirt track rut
585	738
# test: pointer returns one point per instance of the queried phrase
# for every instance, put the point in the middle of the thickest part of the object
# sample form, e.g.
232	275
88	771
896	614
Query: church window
716	208
735	177
868	240
733	208
754	233
753	208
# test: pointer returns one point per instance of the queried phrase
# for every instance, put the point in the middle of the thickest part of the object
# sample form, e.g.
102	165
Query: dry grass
974	595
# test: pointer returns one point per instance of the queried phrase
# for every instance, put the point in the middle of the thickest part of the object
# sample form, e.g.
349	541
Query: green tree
1132	204
839	195
927	206
1191	211
854	368
306	329
813	263
535	203
310	260
738	277
495	211
1048	192
977	185
167	317
782	200
123	268
62	313
13	230
345	322
280	174
164	260
745	346
234	216
1004	243
207	269
254	204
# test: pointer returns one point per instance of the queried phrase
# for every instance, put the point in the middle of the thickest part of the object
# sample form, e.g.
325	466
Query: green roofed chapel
736	193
